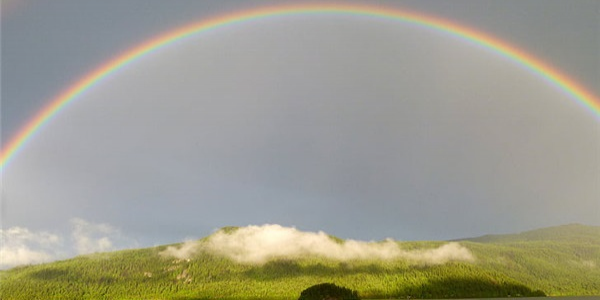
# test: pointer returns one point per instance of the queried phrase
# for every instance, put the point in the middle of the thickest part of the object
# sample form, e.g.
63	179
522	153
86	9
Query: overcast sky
361	127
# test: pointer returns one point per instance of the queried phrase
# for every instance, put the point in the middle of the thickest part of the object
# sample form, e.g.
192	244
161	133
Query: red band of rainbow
560	80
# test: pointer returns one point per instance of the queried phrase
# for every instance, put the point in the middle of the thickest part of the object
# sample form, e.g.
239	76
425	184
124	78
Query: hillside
572	233
562	260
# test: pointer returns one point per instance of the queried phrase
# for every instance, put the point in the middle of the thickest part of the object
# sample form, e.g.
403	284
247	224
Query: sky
360	127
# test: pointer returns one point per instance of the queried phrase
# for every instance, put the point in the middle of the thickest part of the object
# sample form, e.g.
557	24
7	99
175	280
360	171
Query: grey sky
360	127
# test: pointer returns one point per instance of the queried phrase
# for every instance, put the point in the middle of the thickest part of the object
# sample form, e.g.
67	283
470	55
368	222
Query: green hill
555	261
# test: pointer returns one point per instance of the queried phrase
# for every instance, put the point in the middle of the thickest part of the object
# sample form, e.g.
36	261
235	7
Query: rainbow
553	76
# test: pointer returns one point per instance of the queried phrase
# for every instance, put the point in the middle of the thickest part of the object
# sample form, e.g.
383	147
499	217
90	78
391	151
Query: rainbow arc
560	80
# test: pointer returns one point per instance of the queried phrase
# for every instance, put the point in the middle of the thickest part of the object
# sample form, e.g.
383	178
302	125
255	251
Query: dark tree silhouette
328	291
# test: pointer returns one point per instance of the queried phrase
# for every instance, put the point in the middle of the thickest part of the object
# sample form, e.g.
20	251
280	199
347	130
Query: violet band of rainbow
561	81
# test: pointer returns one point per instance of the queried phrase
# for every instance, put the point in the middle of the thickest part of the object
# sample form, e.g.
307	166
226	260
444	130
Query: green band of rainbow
561	81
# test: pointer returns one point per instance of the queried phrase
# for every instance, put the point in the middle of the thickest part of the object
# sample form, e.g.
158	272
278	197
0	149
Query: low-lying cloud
185	250
259	244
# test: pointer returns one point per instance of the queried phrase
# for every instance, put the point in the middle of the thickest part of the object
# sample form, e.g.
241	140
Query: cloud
259	244
20	246
445	253
90	238
185	250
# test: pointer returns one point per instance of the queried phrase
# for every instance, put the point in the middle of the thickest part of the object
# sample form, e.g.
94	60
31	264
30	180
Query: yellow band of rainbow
560	80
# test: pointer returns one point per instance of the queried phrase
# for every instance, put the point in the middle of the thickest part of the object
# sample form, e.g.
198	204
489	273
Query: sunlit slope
562	260
558	261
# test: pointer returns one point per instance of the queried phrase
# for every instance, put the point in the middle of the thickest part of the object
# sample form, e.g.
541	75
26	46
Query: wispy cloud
183	251
89	237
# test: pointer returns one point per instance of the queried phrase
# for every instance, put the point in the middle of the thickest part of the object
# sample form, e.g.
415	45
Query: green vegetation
557	261
328	291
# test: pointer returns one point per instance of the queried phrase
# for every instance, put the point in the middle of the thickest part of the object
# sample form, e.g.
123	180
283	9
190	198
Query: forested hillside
562	260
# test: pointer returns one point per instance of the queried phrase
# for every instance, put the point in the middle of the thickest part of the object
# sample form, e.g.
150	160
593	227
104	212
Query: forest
556	261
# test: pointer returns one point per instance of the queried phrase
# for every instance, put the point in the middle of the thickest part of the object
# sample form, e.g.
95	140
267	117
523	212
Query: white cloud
20	246
259	244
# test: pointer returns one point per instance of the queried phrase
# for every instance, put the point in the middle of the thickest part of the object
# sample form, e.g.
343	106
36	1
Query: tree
328	291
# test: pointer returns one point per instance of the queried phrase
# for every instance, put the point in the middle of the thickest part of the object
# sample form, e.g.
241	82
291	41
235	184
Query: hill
572	233
555	261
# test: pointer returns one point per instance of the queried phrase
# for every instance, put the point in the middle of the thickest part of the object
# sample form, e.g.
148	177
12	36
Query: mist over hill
276	262
260	244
